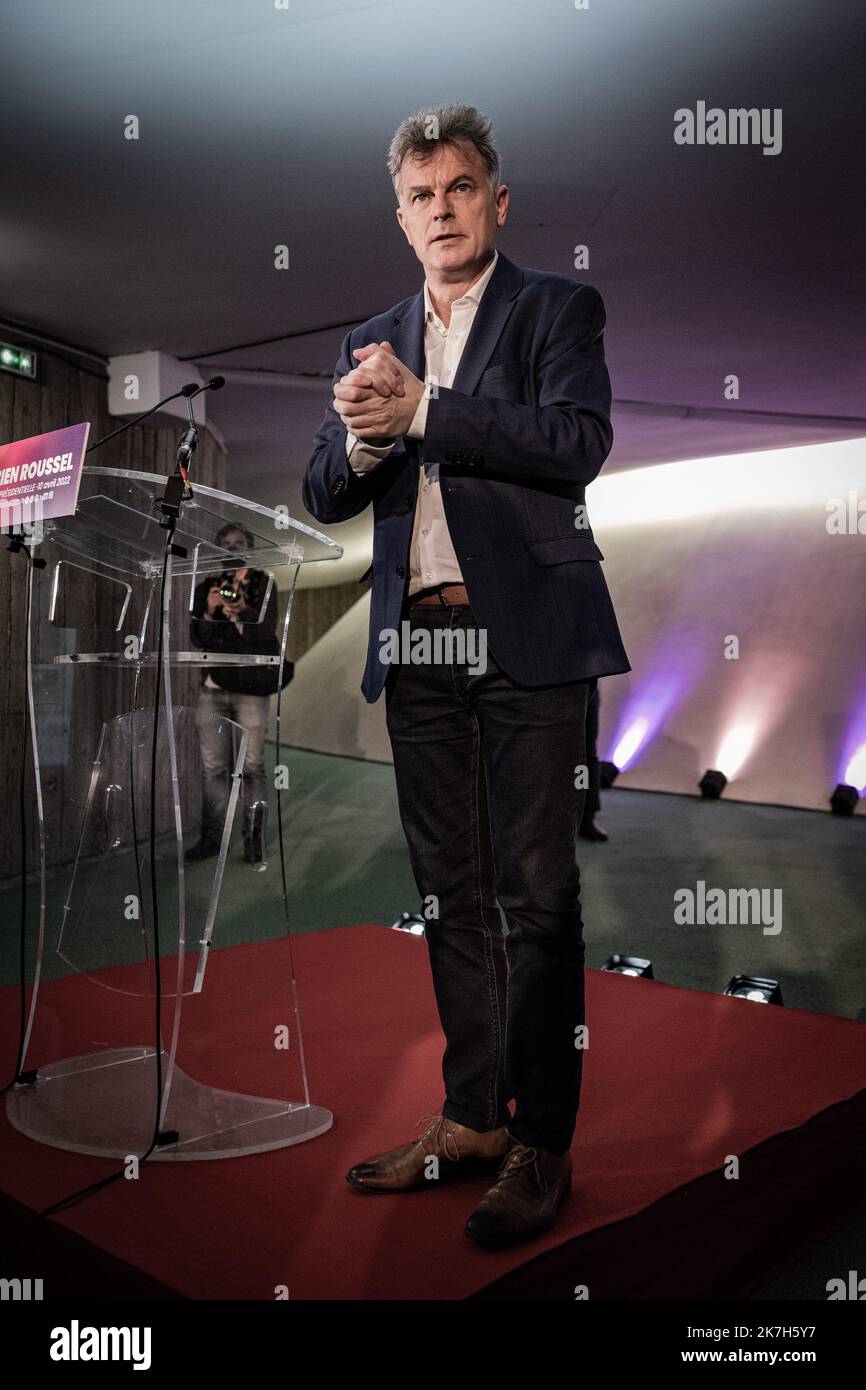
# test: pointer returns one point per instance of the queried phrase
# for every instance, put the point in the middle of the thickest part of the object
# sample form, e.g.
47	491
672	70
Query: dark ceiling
261	126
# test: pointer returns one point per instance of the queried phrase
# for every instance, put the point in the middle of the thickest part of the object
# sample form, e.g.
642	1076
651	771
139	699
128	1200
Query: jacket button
449	457
410	500
401	572
338	484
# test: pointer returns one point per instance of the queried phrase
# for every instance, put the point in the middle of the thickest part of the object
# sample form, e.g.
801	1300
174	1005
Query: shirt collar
474	292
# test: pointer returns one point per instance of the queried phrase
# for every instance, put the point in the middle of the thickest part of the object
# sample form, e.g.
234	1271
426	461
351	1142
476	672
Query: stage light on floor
755	987
629	965
607	773
712	784
844	799
410	922
648	706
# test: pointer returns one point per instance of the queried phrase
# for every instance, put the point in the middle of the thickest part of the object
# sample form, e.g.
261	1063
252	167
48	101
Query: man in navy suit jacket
477	481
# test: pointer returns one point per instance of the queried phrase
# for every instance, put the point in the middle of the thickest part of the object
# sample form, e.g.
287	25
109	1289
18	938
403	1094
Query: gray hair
422	133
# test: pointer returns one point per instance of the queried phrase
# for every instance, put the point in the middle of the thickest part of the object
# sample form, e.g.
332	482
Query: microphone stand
178	488
177	491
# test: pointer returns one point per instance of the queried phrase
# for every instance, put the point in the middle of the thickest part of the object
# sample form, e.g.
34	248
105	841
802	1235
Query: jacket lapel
408	337
490	319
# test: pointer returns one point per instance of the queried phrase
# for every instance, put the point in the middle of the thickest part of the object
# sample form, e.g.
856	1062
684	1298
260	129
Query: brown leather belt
447	596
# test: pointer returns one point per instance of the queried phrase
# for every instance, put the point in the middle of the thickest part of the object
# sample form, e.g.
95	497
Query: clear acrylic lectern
118	778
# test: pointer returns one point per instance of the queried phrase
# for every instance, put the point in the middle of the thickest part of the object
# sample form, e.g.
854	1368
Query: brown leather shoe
525	1200
458	1150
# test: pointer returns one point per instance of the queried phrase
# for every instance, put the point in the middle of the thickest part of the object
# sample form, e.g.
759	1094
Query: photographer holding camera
226	609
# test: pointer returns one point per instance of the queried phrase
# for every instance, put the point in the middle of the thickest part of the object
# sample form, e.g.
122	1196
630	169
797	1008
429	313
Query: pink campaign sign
40	477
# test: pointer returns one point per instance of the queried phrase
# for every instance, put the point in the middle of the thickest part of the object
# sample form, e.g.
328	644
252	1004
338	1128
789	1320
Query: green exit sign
21	361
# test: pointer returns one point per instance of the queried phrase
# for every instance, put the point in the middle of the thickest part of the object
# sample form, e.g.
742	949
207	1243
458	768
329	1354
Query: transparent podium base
104	1103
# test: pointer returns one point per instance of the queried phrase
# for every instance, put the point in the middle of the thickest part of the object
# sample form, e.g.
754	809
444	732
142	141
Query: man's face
448	210
234	540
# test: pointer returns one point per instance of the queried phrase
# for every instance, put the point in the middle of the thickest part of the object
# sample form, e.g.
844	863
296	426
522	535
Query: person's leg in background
252	712
592	805
214	737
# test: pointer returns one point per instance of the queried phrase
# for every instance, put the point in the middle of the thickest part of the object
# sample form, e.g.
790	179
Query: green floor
347	863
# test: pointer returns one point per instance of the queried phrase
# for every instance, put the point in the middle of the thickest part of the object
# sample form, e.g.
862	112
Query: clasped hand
377	400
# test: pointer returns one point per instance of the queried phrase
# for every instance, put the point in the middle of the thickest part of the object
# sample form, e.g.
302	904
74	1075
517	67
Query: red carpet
675	1082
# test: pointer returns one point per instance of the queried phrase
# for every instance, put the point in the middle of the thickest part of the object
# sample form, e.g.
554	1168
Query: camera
245	586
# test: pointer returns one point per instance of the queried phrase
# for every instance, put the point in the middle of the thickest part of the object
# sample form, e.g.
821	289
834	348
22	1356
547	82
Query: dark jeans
485	776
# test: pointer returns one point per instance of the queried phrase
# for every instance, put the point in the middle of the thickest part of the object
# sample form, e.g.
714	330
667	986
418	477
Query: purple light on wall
643	714
852	764
854	774
630	742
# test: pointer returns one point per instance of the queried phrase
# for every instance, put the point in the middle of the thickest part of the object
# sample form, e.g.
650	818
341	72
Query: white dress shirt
431	554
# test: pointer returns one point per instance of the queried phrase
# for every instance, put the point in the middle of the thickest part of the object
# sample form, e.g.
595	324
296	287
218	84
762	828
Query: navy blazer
522	430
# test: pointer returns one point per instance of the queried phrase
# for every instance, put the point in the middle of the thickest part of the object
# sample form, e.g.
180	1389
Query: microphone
191	389
215	383
190	439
